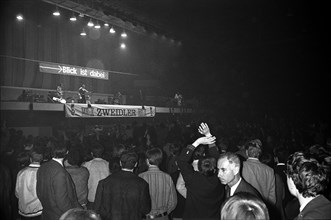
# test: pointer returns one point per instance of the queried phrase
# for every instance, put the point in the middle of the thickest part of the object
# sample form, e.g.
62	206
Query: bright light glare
19	17
124	35
90	23
123	46
112	30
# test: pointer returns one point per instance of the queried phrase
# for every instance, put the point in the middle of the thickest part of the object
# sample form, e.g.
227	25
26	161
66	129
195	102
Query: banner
101	110
70	70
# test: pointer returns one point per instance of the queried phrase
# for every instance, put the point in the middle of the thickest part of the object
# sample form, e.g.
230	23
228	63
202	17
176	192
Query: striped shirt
162	190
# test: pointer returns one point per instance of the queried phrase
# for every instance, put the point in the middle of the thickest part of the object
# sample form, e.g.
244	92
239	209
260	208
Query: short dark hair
74	157
128	159
244	205
36	154
154	156
282	154
307	174
97	150
59	150
207	166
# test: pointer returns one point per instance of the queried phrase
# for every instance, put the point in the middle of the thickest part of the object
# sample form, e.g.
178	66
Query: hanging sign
62	69
100	110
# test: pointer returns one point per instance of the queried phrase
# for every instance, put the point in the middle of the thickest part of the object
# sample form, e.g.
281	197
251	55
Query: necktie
227	191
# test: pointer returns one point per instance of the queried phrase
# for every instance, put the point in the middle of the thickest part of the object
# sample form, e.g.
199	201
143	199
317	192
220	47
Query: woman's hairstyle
207	166
244	205
307	174
80	214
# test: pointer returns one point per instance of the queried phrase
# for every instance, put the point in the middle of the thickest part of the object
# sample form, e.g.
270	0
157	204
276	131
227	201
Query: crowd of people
169	170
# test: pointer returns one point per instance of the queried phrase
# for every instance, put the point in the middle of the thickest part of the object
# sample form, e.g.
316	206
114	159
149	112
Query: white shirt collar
60	161
124	169
234	187
305	202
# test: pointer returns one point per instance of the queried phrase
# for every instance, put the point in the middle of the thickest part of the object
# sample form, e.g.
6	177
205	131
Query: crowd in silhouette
203	169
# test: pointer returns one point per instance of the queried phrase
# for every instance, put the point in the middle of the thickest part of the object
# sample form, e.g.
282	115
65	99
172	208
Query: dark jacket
246	187
122	196
205	195
318	208
55	190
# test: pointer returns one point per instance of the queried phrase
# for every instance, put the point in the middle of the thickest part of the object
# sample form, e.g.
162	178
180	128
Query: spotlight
90	23
56	12
124	35
73	17
123	46
83	33
97	26
112	30
19	17
106	24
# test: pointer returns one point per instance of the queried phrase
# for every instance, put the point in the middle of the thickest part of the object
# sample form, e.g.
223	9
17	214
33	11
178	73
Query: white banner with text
101	110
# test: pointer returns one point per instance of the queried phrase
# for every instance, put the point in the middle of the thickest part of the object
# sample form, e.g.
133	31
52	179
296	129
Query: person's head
281	154
118	150
36	154
128	160
253	149
59	150
74	158
154	156
244	205
207	166
199	152
83	85
228	166
97	150
305	176
80	214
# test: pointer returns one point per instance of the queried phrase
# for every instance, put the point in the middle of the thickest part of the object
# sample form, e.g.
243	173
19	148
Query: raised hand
204	129
204	140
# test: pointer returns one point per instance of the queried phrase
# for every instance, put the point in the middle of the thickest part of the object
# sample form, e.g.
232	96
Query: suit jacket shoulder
244	186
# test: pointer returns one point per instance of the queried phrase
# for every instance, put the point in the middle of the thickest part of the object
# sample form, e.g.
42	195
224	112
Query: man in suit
123	195
228	166
55	188
259	175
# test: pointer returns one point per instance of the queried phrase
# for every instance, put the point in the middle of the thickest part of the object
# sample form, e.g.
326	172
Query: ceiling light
83	33
112	30
124	35
97	26
73	17
106	24
123	46
90	23
19	17
56	12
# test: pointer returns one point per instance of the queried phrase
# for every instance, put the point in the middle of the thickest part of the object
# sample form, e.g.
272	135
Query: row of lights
90	24
73	18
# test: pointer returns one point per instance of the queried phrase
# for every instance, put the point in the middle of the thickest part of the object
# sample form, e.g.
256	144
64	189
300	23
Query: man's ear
120	163
236	169
136	164
147	162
